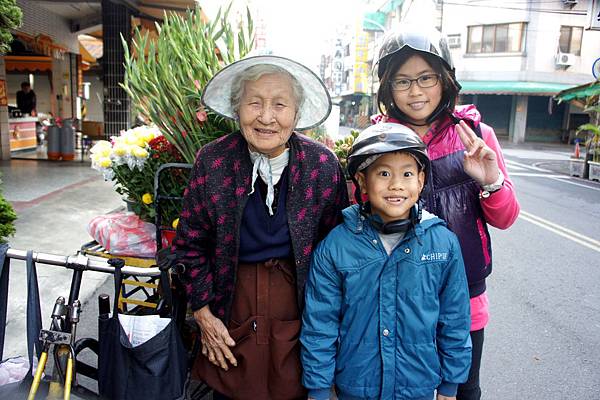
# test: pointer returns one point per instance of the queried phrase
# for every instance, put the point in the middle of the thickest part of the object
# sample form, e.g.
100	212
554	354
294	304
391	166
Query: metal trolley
60	339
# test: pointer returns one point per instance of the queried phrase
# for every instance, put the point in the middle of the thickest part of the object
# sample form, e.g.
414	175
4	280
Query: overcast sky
298	29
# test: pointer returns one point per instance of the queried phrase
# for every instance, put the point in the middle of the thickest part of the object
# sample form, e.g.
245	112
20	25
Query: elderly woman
257	203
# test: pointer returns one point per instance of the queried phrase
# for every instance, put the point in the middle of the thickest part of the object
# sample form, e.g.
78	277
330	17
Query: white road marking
561	231
531	167
566	179
537	175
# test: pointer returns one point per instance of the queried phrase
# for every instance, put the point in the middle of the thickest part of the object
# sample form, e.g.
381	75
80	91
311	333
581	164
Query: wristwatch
487	190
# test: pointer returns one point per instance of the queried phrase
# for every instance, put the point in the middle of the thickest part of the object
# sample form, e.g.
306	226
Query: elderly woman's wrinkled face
267	113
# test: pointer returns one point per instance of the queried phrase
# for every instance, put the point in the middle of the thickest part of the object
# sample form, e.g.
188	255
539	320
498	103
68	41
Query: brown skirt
265	324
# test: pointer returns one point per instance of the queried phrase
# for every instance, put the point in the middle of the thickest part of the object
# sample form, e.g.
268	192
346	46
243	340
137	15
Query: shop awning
579	92
374	21
513	87
28	64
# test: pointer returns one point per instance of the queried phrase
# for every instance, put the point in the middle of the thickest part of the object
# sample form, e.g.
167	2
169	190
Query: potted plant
592	143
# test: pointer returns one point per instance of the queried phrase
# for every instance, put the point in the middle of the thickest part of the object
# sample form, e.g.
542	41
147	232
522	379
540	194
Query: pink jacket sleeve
501	209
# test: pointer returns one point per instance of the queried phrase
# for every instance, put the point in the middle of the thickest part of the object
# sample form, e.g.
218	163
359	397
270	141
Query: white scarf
270	170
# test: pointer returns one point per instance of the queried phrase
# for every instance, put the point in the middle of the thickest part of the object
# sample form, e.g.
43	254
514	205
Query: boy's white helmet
384	138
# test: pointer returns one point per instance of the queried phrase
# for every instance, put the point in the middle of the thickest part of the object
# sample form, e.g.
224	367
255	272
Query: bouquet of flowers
131	161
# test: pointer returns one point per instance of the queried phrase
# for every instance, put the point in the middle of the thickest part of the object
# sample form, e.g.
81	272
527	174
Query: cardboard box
93	129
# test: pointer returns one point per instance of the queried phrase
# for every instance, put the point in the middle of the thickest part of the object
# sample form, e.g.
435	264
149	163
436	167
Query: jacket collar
359	224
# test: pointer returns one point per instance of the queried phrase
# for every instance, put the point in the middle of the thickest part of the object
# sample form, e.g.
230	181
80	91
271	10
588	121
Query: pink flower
197	84
201	115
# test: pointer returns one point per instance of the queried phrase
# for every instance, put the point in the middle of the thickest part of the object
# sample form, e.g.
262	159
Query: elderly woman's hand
215	339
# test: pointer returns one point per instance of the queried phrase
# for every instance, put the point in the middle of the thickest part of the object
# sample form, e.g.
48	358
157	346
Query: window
570	39
500	38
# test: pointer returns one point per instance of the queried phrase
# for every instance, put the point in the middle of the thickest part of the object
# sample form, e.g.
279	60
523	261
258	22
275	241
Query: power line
539	10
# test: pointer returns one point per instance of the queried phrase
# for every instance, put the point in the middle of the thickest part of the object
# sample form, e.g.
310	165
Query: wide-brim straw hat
313	111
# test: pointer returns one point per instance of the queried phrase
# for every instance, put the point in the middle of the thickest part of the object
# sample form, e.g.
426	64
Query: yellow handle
38	376
68	378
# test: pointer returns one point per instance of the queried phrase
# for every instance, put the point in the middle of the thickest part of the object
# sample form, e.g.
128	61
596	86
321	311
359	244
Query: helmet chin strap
396	226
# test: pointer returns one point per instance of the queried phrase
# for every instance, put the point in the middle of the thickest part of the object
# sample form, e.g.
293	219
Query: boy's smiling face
393	183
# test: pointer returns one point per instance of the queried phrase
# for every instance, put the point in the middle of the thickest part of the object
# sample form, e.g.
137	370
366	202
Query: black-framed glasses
424	81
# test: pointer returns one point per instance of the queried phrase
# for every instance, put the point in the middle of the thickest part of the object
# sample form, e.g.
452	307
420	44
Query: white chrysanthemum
102	148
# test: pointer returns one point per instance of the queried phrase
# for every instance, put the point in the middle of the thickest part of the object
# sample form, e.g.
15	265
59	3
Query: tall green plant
166	84
10	18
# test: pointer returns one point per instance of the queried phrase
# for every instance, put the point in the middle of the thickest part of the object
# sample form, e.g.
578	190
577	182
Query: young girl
387	303
468	184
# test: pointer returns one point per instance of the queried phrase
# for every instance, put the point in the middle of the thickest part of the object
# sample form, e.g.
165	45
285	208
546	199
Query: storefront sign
594	12
3	95
42	44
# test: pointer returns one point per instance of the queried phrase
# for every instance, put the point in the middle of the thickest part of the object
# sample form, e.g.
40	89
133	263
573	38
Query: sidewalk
54	202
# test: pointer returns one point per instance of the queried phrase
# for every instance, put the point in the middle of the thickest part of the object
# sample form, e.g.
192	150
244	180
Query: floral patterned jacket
207	240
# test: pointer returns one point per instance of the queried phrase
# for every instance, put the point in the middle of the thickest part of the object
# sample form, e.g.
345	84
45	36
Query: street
542	341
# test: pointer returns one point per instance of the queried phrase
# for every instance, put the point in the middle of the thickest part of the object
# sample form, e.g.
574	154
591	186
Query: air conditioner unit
565	59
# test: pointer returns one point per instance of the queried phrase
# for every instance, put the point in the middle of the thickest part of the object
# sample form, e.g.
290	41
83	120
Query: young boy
387	304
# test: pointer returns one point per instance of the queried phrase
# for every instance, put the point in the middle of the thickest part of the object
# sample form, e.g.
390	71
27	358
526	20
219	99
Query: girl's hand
480	161
442	397
215	339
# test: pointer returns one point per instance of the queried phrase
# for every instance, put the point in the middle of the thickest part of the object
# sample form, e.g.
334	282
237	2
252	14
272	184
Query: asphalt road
542	341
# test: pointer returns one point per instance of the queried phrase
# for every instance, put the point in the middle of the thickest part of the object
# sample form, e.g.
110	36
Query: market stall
22	133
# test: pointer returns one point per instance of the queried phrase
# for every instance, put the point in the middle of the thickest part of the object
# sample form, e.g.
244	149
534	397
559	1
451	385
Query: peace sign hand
480	161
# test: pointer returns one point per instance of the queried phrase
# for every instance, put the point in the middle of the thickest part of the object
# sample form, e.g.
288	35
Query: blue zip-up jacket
386	327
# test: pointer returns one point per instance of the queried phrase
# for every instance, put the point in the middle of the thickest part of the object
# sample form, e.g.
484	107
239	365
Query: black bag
155	369
20	389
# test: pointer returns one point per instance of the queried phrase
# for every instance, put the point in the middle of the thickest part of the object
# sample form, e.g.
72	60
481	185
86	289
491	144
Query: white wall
38	20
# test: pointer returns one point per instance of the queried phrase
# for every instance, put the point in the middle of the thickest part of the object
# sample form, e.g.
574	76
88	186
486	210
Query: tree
11	17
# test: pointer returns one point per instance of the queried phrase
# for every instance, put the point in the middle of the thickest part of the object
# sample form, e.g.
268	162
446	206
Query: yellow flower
147	198
139	152
175	223
104	162
120	149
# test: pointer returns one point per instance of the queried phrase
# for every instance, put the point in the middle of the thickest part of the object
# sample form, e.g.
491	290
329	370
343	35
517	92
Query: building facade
511	59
